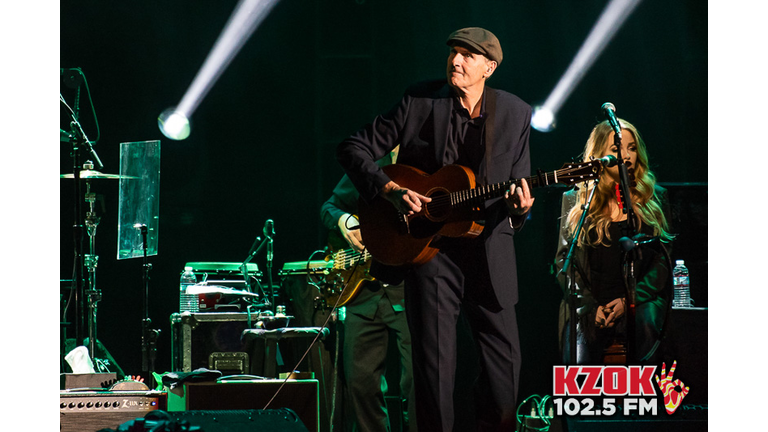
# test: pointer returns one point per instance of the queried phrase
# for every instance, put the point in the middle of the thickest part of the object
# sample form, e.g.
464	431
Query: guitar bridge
404	225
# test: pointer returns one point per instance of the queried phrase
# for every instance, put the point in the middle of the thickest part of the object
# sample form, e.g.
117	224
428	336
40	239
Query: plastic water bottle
682	289
187	301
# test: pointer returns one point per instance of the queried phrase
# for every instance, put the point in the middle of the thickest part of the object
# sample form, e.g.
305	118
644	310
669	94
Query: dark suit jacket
420	124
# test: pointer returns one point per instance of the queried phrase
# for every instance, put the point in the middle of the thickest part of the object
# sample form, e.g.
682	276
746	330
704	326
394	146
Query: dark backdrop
262	140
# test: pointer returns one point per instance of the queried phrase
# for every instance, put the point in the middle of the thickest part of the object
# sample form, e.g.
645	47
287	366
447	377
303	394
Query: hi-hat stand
84	321
92	294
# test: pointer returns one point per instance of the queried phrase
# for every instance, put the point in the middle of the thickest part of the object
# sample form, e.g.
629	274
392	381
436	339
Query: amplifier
91	411
301	396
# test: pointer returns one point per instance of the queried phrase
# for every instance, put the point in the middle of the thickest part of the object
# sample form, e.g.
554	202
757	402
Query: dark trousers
365	353
435	294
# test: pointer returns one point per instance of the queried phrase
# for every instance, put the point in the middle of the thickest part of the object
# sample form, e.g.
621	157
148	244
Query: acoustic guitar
396	239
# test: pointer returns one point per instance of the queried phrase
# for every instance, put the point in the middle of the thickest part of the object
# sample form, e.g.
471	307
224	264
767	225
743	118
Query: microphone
269	232
269	228
630	243
608	161
610	114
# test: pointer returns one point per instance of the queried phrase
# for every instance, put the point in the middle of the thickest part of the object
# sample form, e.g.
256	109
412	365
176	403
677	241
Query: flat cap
480	39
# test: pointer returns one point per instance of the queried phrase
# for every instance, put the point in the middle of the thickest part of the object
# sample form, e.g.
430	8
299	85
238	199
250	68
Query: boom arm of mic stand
78	132
572	288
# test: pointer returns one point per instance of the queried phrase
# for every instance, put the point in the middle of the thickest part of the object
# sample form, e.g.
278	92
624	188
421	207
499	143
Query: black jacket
419	123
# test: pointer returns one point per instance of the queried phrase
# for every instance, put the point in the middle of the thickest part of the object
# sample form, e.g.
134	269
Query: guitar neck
476	196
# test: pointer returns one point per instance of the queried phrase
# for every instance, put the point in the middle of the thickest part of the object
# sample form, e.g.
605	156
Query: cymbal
65	136
91	174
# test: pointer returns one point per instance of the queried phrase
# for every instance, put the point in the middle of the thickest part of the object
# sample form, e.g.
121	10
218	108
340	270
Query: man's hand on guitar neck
519	202
519	199
350	230
405	201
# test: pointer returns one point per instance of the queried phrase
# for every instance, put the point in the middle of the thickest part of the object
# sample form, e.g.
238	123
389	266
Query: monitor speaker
276	420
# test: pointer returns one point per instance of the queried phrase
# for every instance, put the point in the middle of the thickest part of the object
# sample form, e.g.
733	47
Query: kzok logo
616	381
672	397
592	390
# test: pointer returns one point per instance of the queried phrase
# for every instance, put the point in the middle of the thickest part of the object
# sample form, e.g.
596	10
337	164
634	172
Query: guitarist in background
457	120
376	311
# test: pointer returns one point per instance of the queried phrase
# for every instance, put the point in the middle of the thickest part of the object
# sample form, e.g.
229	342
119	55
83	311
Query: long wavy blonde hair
646	203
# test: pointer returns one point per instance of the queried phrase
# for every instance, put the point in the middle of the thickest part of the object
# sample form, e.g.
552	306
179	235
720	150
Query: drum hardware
93	174
78	140
88	295
90	260
64	135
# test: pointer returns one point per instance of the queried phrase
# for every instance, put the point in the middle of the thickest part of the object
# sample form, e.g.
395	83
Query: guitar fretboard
475	196
345	259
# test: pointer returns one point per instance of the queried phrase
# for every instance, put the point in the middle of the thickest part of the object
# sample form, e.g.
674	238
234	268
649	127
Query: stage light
609	22
173	124
248	14
543	119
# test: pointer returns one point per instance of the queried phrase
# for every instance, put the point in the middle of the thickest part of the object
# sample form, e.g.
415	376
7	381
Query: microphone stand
270	255
269	242
244	267
148	335
629	270
573	294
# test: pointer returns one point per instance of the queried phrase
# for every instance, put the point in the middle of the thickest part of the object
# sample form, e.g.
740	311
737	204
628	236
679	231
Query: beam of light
609	22
248	14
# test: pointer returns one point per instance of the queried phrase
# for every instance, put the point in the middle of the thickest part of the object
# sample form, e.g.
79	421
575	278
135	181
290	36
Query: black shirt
466	145
606	265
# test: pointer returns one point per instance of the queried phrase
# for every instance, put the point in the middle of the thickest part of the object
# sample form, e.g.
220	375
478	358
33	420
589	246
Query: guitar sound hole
440	206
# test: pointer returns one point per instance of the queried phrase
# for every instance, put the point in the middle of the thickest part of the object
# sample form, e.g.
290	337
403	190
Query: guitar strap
490	108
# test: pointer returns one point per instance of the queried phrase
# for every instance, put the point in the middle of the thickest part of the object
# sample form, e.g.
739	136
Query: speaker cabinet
300	396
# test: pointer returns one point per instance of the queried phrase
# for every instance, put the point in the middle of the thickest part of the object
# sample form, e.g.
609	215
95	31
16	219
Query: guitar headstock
577	172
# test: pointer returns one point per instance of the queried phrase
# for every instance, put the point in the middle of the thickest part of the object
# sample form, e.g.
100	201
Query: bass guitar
396	239
346	274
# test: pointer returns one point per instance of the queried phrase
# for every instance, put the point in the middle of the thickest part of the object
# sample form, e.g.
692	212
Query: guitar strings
441	202
350	256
